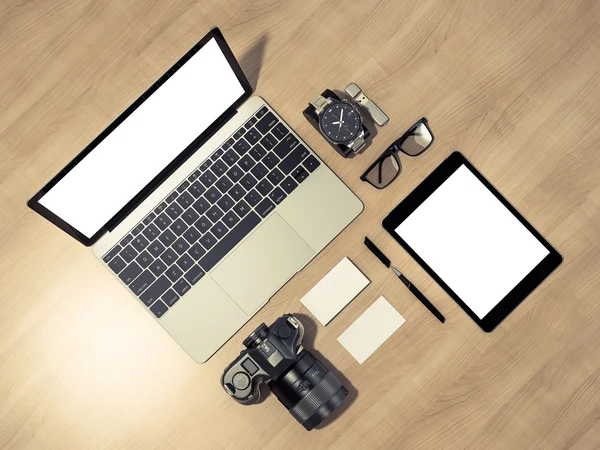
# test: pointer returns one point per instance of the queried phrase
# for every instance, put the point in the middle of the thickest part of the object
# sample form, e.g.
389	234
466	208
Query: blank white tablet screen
471	241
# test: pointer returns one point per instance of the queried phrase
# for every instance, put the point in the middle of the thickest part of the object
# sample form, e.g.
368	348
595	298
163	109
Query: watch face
340	122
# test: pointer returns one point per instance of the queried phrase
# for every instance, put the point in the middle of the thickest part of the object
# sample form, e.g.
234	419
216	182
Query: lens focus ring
316	398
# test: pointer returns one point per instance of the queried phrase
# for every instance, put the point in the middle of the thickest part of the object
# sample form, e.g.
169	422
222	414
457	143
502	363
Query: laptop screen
136	151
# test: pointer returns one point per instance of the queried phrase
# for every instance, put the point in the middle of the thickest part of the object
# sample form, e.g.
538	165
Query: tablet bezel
531	281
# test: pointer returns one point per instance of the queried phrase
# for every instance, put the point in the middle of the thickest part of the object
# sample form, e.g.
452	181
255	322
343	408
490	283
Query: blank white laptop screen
146	142
471	241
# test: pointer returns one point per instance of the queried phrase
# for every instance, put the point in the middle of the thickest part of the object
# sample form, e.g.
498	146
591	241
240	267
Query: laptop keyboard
208	214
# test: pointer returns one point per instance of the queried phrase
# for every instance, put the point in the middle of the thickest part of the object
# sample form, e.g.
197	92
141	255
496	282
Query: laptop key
268	141
259	171
214	214
169	256
261	112
280	131
253	197
194	176
171	198
167	238
212	195
265	207
231	157
205	165
160	208
170	297
289	185
185	200
126	240
219	168
117	264
230	219
242	208
181	287
181	246
196	251
224	184
130	273
192	235
110	255
275	176
128	254
190	216
226	203
216	156
239	232
140	243
311	163
241	147
163	221
203	224
156	248
258	152
246	163
158	309
282	149
174	210
266	123
293	159
183	186
250	122
144	259
238	134
207	179
185	262
237	192
138	229
141	283
277	195
201	205
178	227
248	181
264	187
219	230
208	241
252	136
194	275
196	189
149	218
271	160
157	267
228	143
155	291
174	273
151	232
235	173
299	174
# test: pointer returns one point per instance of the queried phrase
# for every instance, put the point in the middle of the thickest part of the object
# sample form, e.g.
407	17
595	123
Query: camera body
274	355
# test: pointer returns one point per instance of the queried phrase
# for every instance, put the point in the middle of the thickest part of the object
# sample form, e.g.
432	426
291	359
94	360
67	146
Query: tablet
473	242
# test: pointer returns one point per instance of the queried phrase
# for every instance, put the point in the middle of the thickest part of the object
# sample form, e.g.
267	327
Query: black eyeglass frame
396	147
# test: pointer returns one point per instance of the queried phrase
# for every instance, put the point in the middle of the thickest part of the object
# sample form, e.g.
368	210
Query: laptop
200	199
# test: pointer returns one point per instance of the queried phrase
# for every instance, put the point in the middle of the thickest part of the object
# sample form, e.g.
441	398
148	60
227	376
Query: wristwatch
340	122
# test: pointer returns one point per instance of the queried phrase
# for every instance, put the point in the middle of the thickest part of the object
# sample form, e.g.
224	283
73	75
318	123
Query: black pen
411	287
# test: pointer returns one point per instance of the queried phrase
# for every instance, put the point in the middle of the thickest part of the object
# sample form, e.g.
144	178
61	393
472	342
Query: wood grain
515	85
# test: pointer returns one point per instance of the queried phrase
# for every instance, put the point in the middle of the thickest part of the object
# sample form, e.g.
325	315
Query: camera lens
309	390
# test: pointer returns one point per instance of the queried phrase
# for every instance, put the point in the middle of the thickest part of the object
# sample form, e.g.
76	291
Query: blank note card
335	290
371	329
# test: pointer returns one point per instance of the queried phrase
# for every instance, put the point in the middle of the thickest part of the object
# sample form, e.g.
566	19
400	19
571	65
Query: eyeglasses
387	167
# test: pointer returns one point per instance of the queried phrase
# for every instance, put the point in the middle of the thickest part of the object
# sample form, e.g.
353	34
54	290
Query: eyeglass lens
418	141
384	172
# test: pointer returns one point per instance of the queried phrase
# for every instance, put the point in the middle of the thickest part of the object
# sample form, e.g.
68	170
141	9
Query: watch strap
319	103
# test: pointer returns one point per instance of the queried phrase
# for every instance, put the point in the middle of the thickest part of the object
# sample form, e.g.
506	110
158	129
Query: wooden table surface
515	85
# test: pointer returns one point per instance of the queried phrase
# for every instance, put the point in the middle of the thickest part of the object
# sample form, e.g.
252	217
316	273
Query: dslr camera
274	355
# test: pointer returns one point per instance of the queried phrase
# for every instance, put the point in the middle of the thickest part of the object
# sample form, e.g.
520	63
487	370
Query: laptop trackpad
262	264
